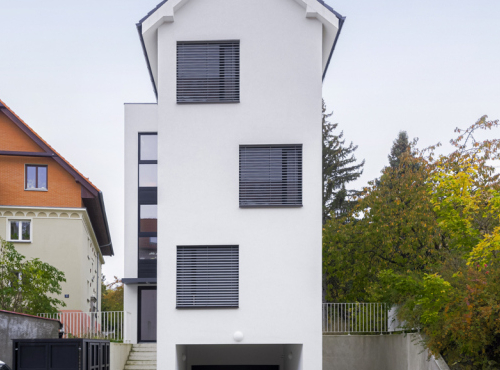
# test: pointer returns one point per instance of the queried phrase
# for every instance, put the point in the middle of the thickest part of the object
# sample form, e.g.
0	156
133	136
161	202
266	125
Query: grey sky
67	67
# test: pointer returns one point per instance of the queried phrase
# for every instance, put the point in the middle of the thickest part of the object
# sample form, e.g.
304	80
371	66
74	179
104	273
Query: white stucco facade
283	54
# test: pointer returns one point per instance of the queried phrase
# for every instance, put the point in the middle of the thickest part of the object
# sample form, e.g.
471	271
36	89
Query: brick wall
63	190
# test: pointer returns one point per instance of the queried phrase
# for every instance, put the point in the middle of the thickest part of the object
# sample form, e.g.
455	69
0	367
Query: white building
223	201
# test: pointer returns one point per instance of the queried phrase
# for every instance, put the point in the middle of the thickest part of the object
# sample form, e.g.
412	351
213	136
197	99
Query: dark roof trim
106	249
139	29
25	154
136	281
152	11
108	234
341	24
79	178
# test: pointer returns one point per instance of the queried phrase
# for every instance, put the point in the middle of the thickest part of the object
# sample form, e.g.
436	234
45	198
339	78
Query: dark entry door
147	314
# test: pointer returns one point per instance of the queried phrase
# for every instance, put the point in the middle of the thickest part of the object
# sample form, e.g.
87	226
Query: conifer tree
399	146
339	168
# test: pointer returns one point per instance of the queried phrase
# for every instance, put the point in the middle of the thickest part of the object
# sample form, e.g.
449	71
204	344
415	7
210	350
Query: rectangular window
35	177
148	247
148	175
20	230
148	147
149	218
208	72
270	175
207	276
147	206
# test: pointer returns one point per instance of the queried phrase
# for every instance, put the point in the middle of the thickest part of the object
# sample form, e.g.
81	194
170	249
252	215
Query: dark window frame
299	175
237	73
37	166
146	196
205	307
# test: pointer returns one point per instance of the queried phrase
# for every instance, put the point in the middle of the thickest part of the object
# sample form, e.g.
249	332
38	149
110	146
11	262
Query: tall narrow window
207	276
270	175
147	207
35	177
208	72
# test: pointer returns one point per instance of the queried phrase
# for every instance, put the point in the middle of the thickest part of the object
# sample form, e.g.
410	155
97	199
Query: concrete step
144	345
143	349
141	356
140	367
140	362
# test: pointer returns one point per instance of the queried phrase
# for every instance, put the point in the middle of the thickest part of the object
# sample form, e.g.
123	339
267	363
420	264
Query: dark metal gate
61	354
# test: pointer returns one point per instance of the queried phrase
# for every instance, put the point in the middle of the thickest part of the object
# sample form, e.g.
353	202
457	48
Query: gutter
139	29
341	19
105	217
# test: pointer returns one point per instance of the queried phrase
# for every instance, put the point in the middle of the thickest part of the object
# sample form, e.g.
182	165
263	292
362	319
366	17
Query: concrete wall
64	238
18	326
377	352
118	355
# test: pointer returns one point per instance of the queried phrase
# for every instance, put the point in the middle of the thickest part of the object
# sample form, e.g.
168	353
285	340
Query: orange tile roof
48	145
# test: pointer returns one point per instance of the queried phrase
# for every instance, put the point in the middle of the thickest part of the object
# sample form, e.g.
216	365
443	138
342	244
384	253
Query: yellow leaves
483	252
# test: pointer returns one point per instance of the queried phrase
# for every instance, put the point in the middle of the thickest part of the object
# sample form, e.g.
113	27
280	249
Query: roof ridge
48	145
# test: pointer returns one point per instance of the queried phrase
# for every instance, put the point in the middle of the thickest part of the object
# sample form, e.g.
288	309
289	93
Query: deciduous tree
28	286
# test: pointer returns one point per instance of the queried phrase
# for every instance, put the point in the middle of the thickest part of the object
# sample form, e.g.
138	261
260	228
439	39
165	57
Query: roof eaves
341	19
139	30
339	16
46	147
105	217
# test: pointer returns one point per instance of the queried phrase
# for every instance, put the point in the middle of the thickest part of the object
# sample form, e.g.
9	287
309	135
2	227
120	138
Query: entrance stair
142	357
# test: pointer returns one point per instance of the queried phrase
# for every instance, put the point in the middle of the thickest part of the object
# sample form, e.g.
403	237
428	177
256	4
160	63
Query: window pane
148	175
149	147
14	230
42	178
148	248
149	218
30	177
26	230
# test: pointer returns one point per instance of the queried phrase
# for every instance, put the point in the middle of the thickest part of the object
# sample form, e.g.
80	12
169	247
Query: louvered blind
208	72
270	175
207	276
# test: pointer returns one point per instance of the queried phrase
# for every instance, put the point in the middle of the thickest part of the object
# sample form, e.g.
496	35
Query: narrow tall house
50	211
223	192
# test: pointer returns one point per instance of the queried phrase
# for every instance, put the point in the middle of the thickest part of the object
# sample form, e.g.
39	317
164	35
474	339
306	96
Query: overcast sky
67	67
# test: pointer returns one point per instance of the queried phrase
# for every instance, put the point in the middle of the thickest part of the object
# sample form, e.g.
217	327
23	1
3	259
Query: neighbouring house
223	185
50	211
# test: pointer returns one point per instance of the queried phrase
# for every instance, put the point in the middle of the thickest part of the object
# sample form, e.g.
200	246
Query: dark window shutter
208	72
207	276
270	175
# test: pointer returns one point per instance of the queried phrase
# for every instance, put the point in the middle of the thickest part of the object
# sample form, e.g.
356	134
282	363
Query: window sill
19	241
36	189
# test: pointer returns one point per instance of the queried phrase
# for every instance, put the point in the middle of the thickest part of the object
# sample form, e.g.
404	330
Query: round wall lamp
238	336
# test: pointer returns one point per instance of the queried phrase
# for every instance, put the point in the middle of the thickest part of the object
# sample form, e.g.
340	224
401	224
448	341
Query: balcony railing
93	325
347	318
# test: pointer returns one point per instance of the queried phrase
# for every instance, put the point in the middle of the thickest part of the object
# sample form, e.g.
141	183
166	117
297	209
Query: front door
147	314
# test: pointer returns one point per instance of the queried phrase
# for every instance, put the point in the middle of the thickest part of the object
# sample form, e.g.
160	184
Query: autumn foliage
426	237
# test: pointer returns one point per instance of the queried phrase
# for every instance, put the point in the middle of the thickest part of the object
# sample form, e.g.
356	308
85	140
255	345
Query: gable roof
91	196
341	20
